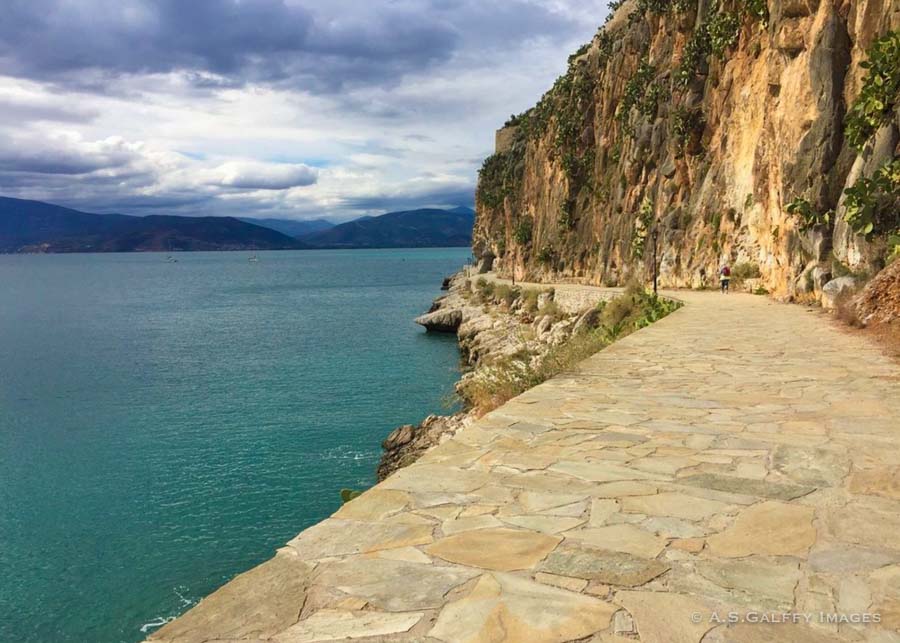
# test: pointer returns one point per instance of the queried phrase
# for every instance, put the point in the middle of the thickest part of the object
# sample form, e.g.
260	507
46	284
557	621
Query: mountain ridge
28	226
38	227
421	228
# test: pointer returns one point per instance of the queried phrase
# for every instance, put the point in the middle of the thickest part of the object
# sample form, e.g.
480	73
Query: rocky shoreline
492	321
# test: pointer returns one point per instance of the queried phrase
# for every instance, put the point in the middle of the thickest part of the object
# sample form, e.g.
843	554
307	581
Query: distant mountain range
33	226
423	228
291	228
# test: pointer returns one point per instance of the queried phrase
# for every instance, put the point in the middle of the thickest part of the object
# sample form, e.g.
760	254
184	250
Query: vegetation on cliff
742	131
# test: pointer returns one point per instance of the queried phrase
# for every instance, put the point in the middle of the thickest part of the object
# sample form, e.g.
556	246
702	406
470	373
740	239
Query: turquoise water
165	426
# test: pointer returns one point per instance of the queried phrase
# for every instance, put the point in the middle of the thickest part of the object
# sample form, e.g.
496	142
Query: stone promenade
739	460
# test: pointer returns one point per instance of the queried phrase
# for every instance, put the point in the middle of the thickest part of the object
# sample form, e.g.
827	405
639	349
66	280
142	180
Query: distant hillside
411	229
32	226
296	229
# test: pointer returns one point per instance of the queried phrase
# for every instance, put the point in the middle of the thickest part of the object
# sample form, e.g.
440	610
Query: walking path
739	460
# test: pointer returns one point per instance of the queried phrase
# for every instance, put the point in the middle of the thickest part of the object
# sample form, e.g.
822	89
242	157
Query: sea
167	423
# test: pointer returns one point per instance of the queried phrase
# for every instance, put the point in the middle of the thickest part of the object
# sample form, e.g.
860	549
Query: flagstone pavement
731	473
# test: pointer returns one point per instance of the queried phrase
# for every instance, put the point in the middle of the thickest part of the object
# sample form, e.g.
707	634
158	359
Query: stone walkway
739	460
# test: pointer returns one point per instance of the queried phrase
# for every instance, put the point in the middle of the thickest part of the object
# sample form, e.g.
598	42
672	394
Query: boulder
832	290
441	320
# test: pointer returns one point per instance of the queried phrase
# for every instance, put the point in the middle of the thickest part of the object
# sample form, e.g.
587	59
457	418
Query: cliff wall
728	133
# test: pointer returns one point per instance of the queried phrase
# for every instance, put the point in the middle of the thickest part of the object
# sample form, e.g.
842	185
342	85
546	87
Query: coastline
488	330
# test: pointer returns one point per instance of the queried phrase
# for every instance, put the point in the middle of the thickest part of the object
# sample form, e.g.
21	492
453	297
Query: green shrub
530	300
693	57
506	295
551	309
743	271
642	223
685	122
638	92
546	255
757	9
724	29
809	218
604	47
524	231
880	91
566	218
500	176
873	204
484	290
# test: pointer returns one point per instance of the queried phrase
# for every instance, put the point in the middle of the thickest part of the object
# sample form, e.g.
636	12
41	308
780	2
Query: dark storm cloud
319	47
228	41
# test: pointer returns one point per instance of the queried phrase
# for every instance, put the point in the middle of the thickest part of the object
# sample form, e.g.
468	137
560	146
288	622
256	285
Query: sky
294	109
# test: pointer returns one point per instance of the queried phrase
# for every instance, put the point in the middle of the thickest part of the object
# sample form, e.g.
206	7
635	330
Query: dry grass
504	379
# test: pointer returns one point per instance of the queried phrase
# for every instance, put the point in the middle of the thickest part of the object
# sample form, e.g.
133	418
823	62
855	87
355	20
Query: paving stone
607	567
503	607
406	554
677	505
545	524
345	537
469	523
533	501
375	504
497	549
769	528
673	527
747	486
259	603
866	526
771	633
563	582
773	579
818	467
690	545
624	538
604	472
840	558
622	489
392	585
433	478
601	510
338	625
879	482
665	617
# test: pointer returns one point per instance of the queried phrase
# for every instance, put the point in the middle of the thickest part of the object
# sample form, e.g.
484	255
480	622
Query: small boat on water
254	259
171	259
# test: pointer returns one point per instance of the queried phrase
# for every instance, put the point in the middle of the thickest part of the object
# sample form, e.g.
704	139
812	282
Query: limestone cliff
729	132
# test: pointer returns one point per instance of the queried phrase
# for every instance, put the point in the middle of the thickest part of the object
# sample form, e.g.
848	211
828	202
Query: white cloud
330	134
265	176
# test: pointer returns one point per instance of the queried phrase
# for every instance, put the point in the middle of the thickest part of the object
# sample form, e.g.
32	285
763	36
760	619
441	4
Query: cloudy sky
268	108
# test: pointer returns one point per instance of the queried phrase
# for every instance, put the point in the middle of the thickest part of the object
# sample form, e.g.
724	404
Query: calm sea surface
165	426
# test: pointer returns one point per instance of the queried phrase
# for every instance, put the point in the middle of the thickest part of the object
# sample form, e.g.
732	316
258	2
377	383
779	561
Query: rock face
441	321
407	443
699	122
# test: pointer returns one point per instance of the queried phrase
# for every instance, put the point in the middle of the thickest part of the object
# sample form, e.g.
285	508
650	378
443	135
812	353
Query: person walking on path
725	278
